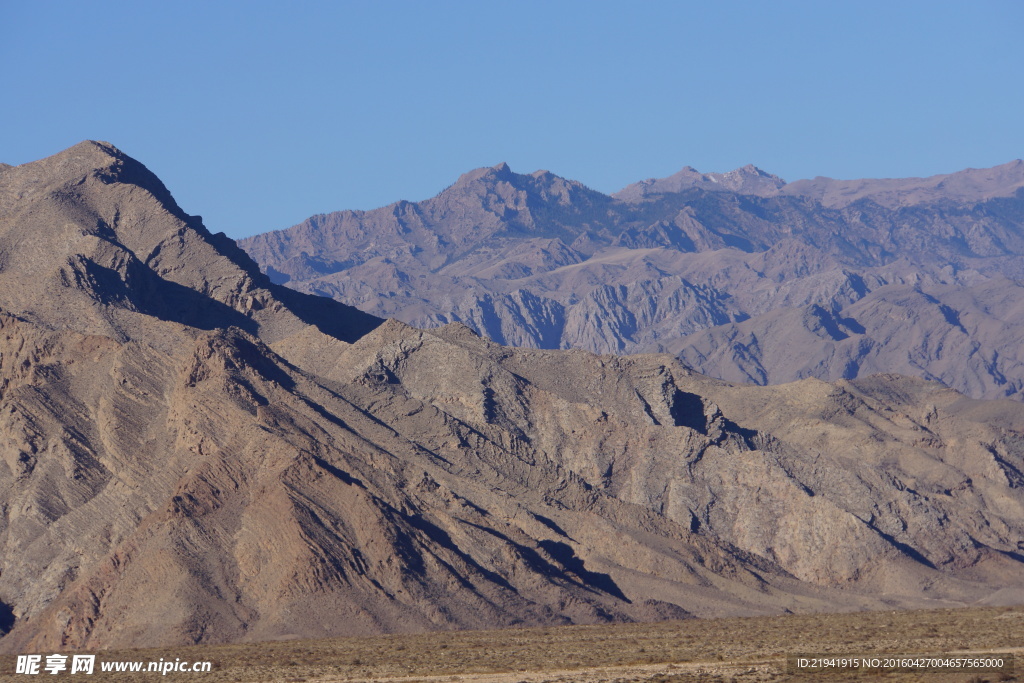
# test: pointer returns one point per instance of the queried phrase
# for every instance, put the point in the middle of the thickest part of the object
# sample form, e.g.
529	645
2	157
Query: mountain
191	453
94	243
746	180
715	268
970	186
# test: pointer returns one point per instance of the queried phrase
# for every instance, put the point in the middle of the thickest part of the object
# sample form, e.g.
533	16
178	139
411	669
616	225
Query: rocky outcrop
961	336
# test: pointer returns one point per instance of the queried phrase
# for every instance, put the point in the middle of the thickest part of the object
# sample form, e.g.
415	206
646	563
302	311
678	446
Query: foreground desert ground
737	649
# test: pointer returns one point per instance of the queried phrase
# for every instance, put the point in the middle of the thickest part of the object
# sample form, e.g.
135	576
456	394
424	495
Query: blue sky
259	114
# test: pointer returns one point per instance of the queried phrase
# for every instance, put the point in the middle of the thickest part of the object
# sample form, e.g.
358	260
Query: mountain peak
747	179
90	147
498	172
91	157
86	156
102	161
752	170
97	226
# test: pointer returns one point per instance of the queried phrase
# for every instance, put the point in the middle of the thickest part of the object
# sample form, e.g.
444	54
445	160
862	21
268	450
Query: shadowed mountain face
93	242
189	453
915	276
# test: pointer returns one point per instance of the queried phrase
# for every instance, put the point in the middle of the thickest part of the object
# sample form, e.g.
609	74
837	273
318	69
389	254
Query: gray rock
741	275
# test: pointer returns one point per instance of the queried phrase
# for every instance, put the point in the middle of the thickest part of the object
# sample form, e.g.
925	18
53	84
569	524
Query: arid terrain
193	454
744	650
741	275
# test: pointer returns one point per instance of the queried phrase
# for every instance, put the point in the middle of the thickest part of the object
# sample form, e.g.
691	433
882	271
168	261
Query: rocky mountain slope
910	275
191	453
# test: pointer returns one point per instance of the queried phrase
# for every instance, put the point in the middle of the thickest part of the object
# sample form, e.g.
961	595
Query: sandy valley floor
751	649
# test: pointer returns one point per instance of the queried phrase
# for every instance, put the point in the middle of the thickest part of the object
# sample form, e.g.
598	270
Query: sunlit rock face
191	453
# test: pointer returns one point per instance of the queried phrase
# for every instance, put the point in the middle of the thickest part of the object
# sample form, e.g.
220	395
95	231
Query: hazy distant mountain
714	267
192	453
969	186
746	180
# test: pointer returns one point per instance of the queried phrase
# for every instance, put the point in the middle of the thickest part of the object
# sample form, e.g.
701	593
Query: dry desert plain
731	649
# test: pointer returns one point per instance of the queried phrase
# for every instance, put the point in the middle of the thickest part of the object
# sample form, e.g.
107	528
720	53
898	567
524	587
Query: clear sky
259	114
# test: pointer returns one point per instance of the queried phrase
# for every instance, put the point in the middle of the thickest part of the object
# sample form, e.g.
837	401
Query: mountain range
190	452
740	275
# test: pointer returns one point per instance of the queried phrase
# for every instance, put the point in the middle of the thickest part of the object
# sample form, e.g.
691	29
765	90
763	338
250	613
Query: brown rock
180	465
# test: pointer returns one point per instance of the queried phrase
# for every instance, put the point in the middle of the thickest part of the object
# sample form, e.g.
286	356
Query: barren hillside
916	276
183	438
